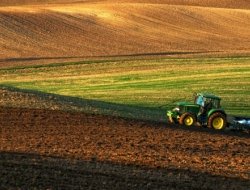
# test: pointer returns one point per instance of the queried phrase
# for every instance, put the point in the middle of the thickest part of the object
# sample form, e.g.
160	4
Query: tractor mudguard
216	110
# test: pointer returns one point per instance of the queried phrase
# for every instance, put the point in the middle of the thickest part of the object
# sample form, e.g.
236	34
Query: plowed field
43	146
56	149
209	3
90	29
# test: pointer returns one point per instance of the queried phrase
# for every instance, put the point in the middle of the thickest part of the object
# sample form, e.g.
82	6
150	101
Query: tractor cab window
216	103
199	100
209	103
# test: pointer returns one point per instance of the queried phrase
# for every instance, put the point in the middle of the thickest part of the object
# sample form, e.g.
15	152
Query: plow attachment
240	123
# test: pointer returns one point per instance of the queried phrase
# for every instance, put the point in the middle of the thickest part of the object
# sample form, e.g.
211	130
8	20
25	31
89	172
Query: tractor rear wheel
217	121
187	119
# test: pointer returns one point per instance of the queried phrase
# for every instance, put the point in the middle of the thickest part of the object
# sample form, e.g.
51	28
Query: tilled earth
46	149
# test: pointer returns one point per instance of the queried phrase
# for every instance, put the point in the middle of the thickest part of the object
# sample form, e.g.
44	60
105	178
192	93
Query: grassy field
142	83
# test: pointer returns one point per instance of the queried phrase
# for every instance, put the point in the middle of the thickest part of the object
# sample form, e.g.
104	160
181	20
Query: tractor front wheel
187	119
217	121
170	120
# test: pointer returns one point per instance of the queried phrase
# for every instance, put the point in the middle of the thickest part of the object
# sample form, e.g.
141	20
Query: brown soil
52	149
207	3
56	149
58	32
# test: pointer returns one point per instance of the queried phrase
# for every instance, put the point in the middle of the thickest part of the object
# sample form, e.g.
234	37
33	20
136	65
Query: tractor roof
206	95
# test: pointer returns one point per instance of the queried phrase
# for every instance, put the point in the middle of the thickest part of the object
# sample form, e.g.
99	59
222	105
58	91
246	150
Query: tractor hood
182	107
185	104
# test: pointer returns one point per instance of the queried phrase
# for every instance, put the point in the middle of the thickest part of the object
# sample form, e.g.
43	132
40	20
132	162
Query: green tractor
205	111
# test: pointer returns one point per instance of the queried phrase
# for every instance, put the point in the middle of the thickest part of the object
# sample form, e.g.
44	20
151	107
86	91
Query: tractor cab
204	100
205	110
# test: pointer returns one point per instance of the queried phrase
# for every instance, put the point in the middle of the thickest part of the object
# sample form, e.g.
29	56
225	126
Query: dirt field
55	149
43	146
59	32
207	3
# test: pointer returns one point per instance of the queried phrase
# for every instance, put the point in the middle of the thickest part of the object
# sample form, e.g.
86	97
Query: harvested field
85	30
53	149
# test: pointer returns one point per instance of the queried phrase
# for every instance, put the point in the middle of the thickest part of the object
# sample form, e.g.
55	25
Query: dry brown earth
90	29
44	147
240	4
206	3
55	149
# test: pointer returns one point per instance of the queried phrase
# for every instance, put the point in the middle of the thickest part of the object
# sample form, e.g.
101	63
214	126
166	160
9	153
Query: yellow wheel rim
218	123
188	121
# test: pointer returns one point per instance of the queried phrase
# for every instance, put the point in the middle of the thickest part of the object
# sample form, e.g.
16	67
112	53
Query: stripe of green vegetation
13	69
176	60
143	83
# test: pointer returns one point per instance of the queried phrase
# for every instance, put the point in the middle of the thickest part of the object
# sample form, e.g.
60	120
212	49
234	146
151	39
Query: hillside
28	2
114	29
207	3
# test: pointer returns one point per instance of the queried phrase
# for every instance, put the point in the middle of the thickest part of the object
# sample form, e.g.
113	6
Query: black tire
217	121
187	119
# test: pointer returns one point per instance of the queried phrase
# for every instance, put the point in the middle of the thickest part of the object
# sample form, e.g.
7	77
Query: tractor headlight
176	109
